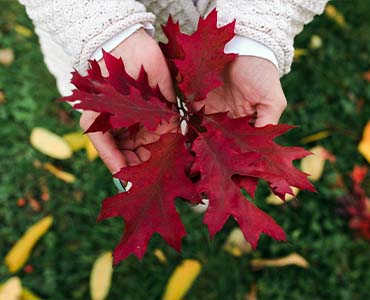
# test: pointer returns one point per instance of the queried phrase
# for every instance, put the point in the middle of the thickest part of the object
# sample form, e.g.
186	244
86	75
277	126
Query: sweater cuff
119	38
246	46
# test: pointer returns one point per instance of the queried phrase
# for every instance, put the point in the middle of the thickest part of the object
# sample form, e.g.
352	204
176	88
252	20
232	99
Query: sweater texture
71	30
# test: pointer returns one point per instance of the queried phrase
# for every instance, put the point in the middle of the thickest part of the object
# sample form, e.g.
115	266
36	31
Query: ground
325	91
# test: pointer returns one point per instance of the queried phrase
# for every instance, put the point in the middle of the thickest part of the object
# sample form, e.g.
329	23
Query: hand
252	87
115	148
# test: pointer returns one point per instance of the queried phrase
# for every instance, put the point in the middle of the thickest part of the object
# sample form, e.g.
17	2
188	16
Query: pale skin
252	87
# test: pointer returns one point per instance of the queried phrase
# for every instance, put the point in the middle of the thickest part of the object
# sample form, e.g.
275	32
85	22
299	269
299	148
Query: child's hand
252	87
115	148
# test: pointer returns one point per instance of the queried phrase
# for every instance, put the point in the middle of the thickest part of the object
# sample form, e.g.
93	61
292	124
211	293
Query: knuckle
282	103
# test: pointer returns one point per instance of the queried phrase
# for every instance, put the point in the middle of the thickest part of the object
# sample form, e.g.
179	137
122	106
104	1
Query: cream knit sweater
71	30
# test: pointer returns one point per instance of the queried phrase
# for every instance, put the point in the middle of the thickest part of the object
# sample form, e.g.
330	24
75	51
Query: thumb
270	112
104	144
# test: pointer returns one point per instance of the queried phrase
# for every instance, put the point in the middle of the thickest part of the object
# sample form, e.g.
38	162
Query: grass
325	91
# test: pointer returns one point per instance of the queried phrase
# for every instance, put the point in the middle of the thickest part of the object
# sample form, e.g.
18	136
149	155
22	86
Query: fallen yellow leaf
335	15
364	149
76	140
275	200
315	42
291	259
158	253
28	295
101	276
314	164
91	152
316	137
62	175
11	289
50	144
21	251
23	31
182	279
298	53
364	145
236	244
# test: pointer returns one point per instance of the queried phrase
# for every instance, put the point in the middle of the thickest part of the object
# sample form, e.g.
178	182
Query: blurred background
52	248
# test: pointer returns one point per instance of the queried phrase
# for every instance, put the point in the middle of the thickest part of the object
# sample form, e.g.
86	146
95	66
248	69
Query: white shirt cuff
239	44
245	46
109	45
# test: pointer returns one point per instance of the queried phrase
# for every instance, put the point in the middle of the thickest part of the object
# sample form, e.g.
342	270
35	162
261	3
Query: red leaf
217	159
230	154
123	100
275	162
148	207
200	57
172	50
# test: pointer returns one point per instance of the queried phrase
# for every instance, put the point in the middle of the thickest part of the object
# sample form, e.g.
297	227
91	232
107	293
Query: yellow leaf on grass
21	251
366	134
23	31
50	144
28	295
314	164
335	15
298	53
236	244
158	253
316	137
315	42
76	140
91	152
11	289
364	145
182	279
291	259
275	200
62	175
101	276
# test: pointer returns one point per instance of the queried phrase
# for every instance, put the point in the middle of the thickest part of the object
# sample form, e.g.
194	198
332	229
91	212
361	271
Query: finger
131	158
143	154
108	151
104	144
269	113
143	137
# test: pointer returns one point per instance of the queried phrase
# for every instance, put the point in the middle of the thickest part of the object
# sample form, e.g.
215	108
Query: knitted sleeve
273	23
81	26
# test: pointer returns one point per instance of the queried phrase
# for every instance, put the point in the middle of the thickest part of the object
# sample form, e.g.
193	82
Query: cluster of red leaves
357	204
216	158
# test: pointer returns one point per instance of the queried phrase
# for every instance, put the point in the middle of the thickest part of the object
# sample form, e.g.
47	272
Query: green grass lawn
325	91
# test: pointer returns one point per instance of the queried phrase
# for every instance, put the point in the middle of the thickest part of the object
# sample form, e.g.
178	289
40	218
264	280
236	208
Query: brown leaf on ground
252	294
366	76
35	205
6	56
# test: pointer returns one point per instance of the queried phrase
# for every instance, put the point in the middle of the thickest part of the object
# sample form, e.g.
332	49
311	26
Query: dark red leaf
275	162
218	159
124	101
148	207
203	58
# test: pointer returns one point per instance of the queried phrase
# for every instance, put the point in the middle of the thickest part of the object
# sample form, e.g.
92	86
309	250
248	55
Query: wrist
245	46
120	38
